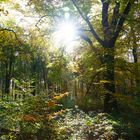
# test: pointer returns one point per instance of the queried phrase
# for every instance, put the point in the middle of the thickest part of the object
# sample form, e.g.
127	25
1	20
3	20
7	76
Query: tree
111	30
9	46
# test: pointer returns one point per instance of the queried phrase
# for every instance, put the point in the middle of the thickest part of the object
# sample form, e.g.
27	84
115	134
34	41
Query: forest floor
78	125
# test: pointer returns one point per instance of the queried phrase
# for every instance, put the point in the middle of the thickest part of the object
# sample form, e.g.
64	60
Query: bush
31	118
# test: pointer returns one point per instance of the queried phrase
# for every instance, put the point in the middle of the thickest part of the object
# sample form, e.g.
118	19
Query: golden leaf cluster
29	118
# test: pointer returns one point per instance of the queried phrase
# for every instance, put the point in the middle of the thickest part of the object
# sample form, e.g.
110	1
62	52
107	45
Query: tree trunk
135	56
8	76
110	102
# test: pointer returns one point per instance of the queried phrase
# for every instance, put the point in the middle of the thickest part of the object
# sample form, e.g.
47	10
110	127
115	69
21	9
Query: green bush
30	118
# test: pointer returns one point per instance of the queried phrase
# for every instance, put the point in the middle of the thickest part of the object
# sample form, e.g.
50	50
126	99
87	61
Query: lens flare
65	35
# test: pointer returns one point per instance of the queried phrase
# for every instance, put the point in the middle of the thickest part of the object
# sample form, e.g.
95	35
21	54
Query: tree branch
115	15
41	18
10	30
87	39
40	21
85	18
105	24
121	20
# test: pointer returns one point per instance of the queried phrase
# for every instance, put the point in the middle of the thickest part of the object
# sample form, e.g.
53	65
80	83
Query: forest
69	70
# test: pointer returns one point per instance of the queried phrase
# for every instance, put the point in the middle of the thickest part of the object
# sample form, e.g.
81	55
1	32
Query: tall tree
111	30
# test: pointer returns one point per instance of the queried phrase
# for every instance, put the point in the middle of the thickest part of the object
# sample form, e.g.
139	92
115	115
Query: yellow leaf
29	118
51	103
50	117
104	81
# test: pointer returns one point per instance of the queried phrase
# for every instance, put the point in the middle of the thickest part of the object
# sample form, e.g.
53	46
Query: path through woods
77	125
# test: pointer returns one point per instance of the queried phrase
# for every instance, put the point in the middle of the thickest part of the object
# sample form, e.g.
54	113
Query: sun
65	35
66	32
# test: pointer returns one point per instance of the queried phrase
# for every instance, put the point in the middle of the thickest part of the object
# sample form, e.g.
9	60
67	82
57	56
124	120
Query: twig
40	20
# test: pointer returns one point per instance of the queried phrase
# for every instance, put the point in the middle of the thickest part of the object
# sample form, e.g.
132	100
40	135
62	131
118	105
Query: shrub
32	118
